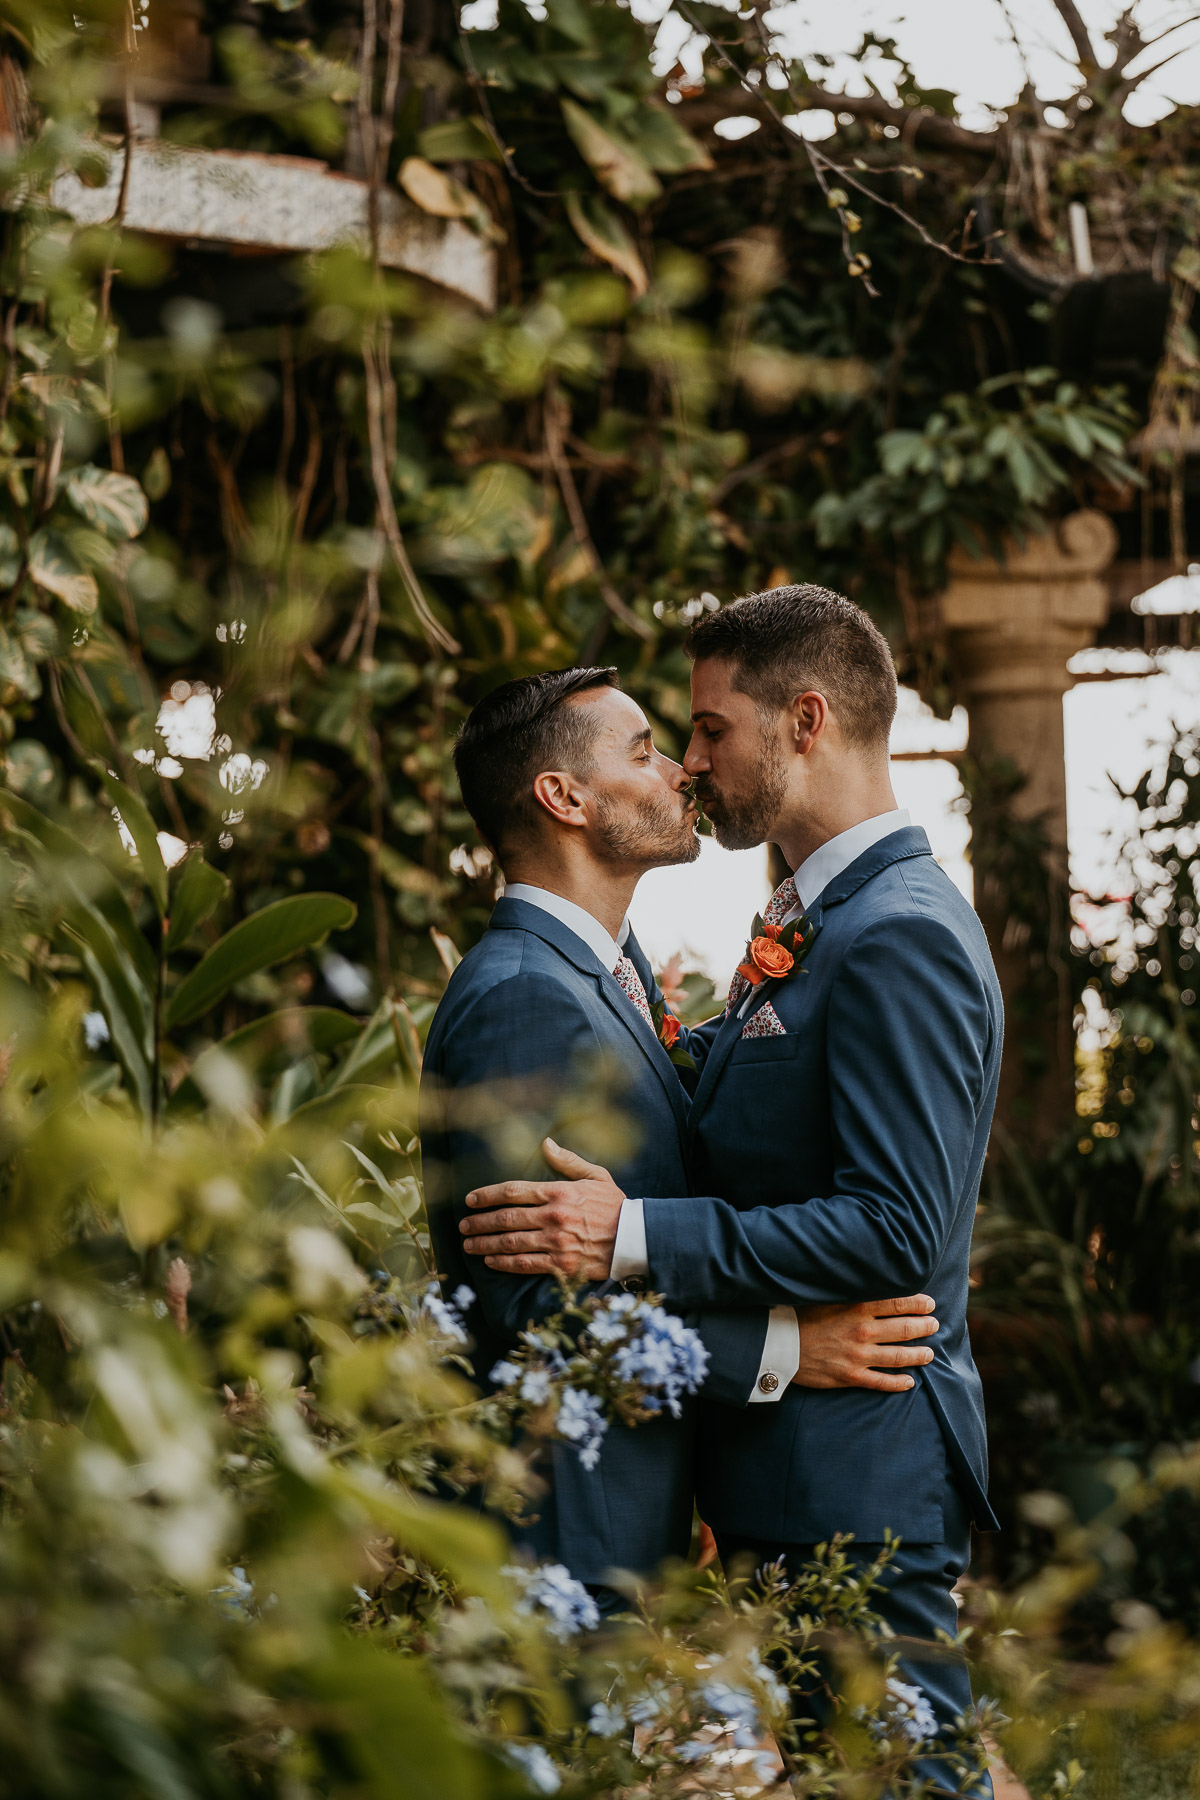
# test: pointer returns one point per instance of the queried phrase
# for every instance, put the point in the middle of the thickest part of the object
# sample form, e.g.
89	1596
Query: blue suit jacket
533	1035
847	1158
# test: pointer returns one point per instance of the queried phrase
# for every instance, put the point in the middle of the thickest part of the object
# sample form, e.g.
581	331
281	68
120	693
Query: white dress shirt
781	1351
576	918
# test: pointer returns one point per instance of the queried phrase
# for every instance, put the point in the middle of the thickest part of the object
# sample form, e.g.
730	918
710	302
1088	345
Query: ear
561	796
809	721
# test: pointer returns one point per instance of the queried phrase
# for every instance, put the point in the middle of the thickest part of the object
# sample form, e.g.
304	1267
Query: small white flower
95	1030
349	981
238	773
187	721
124	833
171	848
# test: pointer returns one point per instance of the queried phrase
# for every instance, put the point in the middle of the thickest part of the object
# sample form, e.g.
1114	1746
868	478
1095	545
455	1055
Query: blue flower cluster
909	1715
662	1355
446	1316
582	1422
537	1765
550	1588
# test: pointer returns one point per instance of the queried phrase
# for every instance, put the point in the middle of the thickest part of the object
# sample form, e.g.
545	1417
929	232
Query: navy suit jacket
534	1036
843	1162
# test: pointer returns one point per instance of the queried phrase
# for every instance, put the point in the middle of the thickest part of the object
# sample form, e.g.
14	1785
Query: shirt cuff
781	1354
630	1256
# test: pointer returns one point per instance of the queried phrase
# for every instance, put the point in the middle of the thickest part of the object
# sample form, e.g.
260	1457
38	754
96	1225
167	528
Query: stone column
1011	626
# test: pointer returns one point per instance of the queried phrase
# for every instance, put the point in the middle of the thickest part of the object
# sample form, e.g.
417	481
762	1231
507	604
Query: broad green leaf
617	166
55	568
16	671
86	879
124	1000
458	140
10	556
199	890
664	143
136	817
385	1045
266	937
392	1728
597	226
437	193
115	503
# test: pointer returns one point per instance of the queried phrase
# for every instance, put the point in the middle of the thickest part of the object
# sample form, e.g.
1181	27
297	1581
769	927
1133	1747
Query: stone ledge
278	203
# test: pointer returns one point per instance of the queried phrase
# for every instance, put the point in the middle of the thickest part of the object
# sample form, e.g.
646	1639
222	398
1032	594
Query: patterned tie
783	901
630	982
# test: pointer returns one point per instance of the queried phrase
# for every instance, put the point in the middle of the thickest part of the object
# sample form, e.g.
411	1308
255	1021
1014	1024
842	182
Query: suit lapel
519	915
898	846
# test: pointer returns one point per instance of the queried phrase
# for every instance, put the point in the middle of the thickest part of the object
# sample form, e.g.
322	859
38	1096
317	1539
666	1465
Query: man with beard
837	1132
547	1026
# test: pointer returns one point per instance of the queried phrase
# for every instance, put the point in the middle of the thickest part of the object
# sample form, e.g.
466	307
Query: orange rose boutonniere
667	1027
774	951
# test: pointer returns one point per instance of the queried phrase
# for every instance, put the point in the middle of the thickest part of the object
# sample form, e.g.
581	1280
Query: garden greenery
269	525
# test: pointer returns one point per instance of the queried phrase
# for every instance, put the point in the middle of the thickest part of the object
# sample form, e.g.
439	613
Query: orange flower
669	1035
770	957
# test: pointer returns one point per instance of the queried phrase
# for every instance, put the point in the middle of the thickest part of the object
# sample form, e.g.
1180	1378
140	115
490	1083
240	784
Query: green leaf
458	140
199	890
616	165
266	937
88	882
115	503
10	556
392	1730
385	1044
16	671
664	143
292	1032
141	827
55	567
597	226
123	998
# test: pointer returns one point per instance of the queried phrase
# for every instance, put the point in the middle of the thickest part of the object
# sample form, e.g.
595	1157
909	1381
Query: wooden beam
279	203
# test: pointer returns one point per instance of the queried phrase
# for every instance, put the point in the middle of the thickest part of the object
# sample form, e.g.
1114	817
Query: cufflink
633	1284
768	1383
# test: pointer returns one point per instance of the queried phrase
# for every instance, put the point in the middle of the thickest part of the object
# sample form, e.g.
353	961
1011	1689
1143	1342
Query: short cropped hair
518	730
791	639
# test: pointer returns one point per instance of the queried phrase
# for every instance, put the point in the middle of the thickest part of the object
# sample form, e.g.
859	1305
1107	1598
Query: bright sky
965	45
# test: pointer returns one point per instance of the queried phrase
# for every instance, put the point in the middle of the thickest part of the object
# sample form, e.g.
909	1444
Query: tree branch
1068	12
925	127
554	409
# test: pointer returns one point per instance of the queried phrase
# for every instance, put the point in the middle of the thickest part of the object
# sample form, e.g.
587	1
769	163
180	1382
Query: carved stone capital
1013	624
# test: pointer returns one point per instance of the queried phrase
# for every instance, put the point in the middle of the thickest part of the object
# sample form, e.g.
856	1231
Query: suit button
768	1383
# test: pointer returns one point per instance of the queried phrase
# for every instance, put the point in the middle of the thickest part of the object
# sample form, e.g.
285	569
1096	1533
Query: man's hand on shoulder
867	1344
554	1227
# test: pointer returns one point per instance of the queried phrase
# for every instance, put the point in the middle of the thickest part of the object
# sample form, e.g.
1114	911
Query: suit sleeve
514	1070
909	1032
511	1072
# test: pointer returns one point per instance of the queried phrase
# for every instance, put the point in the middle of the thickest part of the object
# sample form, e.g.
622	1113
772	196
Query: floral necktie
784	900
630	982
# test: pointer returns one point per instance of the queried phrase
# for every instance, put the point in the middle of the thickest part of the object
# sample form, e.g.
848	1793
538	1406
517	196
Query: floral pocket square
764	1023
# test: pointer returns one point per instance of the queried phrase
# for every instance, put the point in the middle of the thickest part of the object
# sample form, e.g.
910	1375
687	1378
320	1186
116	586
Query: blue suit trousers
915	1599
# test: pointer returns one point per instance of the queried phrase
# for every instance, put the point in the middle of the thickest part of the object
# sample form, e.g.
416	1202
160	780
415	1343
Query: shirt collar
826	864
575	918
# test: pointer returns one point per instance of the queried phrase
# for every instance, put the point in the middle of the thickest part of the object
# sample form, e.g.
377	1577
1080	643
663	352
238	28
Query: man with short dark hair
839	1125
547	1028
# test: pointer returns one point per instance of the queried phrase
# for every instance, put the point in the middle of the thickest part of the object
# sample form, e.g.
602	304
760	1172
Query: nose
695	759
673	772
